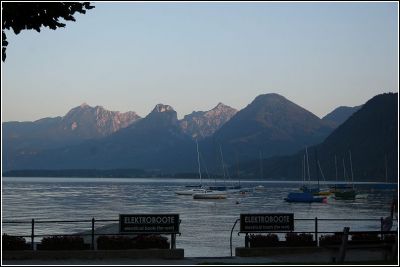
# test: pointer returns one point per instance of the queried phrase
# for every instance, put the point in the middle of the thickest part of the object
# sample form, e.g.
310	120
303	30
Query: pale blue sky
132	56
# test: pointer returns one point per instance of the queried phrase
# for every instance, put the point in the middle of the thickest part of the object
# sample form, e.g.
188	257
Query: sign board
266	222
149	223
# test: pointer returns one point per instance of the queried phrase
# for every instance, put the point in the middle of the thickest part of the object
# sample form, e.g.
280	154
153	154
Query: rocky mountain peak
162	108
200	124
84	105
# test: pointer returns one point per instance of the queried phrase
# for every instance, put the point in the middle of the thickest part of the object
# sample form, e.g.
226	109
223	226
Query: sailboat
308	188
197	189
306	195
213	192
325	192
232	188
347	192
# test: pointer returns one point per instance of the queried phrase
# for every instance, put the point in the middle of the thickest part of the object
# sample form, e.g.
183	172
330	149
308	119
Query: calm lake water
206	224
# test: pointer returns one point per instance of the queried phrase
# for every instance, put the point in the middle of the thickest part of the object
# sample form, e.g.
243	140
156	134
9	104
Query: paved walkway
185	261
284	260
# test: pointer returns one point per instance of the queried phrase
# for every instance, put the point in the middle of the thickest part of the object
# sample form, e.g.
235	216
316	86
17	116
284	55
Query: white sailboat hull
190	192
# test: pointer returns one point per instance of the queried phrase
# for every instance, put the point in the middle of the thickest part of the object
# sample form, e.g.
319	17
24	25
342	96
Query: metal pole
231	234
173	241
33	234
316	231
246	241
381	228
92	233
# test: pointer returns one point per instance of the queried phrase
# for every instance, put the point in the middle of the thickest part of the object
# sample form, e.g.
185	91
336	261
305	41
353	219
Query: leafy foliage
151	241
263	240
20	16
364	237
114	242
335	239
14	243
63	243
294	239
138	242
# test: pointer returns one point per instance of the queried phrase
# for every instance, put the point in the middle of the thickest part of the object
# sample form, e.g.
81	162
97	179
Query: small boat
259	188
345	194
304	197
190	192
210	195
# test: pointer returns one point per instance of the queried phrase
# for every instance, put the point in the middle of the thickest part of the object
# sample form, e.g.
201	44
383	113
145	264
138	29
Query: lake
206	224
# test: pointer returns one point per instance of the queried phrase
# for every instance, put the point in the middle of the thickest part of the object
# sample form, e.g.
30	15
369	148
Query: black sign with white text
149	223
266	222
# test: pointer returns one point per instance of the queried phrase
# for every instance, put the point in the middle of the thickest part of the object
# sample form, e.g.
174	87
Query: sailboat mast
223	164
386	176
316	166
261	167
308	167
336	172
351	169
304	168
344	170
198	162
237	167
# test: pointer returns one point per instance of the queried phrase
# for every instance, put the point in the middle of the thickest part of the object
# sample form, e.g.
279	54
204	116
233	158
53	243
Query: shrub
335	239
115	242
263	240
293	239
14	243
138	242
63	243
389	238
151	241
364	237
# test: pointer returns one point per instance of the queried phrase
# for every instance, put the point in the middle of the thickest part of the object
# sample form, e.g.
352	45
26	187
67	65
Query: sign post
150	224
266	222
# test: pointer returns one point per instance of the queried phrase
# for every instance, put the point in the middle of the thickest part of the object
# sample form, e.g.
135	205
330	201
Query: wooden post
246	241
343	246
173	241
395	251
316	231
92	233
33	234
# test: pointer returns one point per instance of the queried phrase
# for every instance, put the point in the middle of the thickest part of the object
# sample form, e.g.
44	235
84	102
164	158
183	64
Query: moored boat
210	195
304	197
190	192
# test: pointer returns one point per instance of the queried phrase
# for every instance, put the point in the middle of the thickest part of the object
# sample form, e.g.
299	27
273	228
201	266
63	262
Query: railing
33	222
316	231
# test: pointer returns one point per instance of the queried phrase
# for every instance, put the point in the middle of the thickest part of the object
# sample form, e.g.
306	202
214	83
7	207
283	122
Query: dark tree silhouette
30	15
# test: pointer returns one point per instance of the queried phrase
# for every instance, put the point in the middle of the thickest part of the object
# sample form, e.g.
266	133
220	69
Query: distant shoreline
195	180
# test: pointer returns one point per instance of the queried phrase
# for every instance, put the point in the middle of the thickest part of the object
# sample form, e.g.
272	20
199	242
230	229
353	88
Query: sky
132	56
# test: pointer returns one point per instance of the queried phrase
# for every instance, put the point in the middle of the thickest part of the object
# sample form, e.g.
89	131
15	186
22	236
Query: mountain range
93	138
364	147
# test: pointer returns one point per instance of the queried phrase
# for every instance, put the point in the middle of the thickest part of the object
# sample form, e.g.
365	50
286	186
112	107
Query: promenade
281	260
